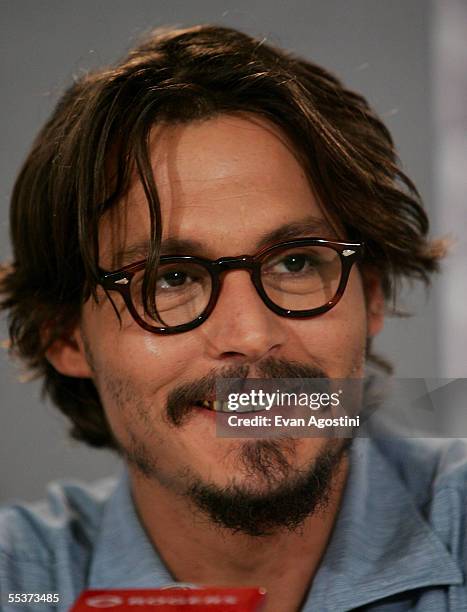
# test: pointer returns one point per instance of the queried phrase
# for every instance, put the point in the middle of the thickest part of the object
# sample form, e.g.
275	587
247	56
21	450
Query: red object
206	599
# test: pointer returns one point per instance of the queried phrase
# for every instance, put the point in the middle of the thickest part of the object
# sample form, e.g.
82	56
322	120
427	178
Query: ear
68	356
375	302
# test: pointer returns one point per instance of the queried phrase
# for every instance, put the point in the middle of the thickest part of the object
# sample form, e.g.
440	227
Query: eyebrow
313	227
169	246
309	226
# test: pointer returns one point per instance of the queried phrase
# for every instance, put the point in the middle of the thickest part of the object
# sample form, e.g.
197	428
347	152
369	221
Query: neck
196	551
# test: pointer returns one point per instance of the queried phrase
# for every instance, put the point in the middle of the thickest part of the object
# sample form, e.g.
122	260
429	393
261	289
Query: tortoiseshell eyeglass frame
120	280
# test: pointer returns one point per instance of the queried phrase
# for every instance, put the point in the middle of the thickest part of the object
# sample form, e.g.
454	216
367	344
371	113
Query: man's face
225	183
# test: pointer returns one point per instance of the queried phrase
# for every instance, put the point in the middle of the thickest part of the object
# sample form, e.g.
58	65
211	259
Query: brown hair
178	76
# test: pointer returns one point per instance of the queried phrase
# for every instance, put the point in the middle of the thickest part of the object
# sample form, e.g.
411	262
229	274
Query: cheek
152	346
336	340
351	311
128	356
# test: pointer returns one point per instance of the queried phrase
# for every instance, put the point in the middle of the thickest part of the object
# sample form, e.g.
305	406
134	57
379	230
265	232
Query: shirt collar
381	545
123	555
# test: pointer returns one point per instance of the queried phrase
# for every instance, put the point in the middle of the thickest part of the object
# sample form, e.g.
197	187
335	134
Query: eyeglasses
297	279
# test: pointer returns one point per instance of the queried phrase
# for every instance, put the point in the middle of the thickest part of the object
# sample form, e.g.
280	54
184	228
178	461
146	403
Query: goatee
290	497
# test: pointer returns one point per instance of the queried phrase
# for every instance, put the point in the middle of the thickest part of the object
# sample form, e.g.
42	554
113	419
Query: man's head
208	143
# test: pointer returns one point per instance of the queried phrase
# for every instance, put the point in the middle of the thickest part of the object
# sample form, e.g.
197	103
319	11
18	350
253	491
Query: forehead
224	182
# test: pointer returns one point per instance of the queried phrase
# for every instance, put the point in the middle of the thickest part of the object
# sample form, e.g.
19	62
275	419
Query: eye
293	263
173	279
181	293
180	278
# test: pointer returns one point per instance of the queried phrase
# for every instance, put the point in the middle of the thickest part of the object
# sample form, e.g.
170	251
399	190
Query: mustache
181	399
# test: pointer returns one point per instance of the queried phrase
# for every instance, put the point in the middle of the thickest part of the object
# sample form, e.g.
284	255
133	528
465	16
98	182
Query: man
173	225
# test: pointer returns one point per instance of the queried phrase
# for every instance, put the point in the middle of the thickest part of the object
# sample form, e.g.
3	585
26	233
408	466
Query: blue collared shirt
399	542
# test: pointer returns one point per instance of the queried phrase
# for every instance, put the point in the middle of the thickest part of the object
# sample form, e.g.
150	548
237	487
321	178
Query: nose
242	328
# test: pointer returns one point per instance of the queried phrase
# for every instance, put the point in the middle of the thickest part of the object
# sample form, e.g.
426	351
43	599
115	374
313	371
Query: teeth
221	406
